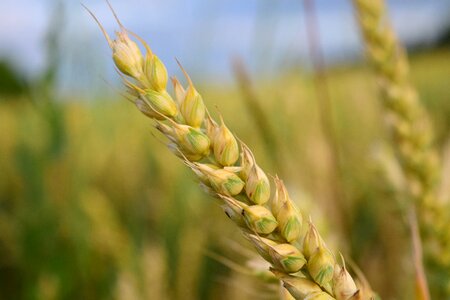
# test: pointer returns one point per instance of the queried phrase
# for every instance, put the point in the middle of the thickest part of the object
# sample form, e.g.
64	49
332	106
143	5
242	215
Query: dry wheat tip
287	215
226	148
257	186
191	102
344	285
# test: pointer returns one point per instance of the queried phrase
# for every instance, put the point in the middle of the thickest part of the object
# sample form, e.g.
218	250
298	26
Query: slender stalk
422	290
256	112
326	115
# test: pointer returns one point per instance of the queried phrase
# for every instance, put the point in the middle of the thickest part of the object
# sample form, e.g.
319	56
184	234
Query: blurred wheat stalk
227	169
413	138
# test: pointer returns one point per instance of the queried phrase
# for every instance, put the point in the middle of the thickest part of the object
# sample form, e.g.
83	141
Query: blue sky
203	34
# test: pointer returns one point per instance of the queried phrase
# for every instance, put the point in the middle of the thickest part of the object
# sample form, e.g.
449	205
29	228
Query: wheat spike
412	132
227	169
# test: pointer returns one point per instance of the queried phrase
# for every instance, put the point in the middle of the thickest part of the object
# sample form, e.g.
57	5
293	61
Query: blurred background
92	206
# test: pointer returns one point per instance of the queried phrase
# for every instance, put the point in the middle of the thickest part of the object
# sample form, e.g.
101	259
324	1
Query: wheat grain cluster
227	169
412	135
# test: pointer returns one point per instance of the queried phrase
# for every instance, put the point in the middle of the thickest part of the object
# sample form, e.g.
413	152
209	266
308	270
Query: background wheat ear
413	136
228	170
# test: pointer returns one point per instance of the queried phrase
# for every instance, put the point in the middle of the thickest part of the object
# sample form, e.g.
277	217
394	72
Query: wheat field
94	206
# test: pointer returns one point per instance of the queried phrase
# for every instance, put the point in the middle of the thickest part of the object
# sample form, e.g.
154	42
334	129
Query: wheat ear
227	169
411	127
